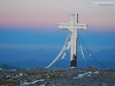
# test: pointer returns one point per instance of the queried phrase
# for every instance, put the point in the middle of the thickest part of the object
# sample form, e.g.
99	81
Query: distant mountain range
4	66
63	64
30	64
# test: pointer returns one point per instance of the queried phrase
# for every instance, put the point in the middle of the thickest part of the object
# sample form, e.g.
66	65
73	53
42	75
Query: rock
57	77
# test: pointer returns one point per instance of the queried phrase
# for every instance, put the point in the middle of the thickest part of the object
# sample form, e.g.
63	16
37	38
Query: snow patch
87	74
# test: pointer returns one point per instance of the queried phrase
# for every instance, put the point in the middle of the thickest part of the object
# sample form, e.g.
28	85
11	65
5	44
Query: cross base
73	62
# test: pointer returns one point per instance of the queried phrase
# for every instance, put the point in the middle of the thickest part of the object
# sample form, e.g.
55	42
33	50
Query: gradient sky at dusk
46	13
30	26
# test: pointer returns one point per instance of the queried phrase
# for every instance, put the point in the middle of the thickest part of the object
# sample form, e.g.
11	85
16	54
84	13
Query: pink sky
47	13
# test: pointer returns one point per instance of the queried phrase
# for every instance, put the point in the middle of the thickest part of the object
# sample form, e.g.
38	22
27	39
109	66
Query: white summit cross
73	26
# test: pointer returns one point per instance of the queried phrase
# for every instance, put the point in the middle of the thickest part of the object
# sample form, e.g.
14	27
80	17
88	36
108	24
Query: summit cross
73	26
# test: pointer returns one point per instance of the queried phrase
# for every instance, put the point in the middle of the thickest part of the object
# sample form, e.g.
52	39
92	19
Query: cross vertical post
73	26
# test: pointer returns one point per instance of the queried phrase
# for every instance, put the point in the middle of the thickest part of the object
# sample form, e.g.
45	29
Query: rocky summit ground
57	77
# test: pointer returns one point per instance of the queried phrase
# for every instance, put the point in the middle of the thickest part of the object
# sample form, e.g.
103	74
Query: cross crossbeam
69	26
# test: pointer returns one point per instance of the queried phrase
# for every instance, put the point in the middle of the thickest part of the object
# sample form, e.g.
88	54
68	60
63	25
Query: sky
28	28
